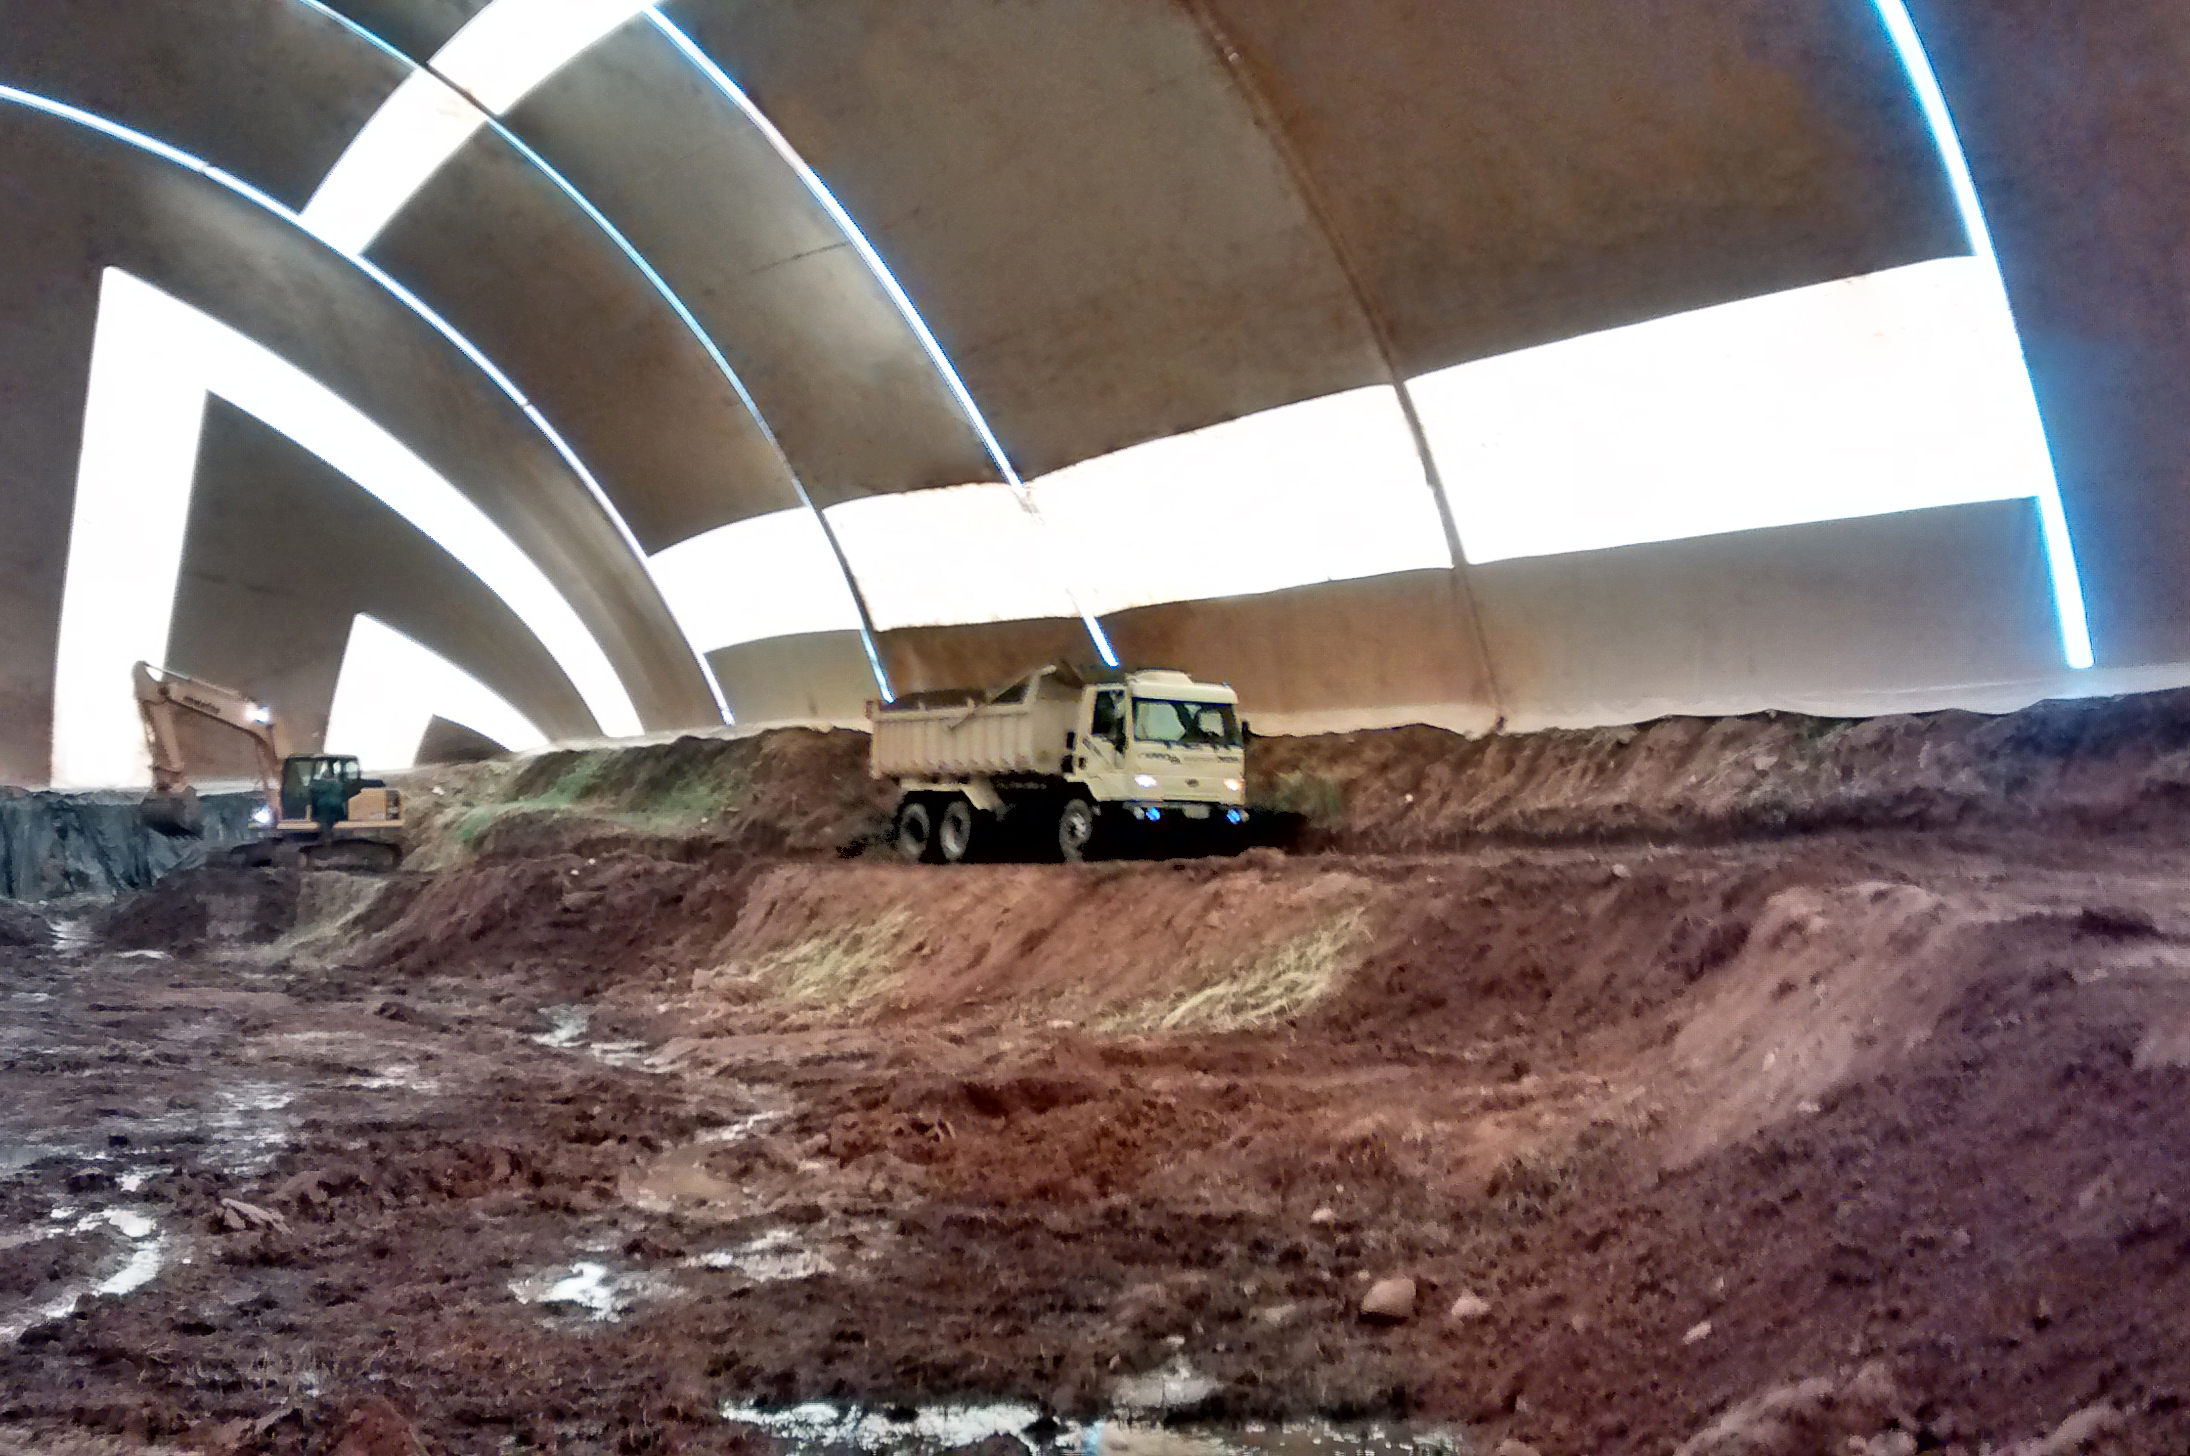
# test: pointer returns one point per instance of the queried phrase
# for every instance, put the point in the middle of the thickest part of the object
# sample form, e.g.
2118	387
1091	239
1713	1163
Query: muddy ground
658	1105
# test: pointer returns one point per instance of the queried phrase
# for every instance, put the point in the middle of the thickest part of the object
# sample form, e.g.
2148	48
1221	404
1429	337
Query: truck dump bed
1020	730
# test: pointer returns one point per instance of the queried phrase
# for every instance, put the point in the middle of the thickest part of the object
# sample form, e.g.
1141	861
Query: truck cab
1161	742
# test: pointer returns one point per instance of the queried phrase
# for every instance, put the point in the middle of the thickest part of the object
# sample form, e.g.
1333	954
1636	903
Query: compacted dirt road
598	1138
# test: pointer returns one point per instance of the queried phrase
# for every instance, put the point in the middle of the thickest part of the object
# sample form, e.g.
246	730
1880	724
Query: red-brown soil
2098	763
1894	1111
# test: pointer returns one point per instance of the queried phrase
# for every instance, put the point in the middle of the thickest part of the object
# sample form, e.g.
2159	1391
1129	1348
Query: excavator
320	811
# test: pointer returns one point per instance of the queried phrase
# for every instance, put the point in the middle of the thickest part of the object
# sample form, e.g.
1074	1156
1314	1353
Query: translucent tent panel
765	576
1896	391
1329	489
1890	392
965	553
1326	490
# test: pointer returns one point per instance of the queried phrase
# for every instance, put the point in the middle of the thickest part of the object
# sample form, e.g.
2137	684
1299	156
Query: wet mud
624	1134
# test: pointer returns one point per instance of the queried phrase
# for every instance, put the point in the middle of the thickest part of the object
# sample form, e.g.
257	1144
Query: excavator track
356	856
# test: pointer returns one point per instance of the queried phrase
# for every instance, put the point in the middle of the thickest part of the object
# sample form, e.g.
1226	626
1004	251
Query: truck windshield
1189	725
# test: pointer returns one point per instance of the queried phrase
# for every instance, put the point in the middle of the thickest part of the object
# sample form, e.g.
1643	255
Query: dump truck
1067	763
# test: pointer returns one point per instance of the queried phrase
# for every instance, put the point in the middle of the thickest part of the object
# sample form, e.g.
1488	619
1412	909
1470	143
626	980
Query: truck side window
1108	719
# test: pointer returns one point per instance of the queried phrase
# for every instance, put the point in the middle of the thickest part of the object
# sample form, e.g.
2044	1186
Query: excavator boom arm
164	697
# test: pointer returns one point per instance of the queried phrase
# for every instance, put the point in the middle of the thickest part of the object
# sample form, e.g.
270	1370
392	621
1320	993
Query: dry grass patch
1277	981
843	968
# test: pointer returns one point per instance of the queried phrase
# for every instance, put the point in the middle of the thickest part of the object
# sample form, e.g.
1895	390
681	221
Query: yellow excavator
320	811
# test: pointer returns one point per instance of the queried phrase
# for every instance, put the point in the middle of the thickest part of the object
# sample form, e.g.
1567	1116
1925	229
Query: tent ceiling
101	204
843	382
340	553
1124	220
1122	256
1559	169
673	447
261	89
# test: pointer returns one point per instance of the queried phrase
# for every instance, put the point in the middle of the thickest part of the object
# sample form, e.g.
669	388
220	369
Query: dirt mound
1998	1216
1184	945
788	790
1836	986
22	928
2094	762
2108	763
190	908
544	834
580	923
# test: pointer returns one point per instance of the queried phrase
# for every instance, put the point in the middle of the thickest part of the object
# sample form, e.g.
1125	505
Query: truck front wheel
916	831
954	834
1075	830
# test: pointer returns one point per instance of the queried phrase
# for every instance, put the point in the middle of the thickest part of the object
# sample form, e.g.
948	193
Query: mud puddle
590	1289
139	1248
569	1029
818	1428
72	936
766	1258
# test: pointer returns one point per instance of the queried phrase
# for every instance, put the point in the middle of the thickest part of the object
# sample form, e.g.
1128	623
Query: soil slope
1857	1138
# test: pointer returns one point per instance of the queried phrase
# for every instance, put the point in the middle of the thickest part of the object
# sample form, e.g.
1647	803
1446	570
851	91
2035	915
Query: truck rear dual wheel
916	831
955	832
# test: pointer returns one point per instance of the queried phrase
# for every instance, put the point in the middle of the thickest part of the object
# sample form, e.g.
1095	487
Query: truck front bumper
1189	813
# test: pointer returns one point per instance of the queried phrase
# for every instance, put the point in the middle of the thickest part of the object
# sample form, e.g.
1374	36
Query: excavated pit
1763	1086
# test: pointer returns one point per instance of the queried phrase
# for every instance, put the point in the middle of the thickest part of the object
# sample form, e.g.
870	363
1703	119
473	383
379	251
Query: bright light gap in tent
755	578
2068	592
511	46
1894	391
620	721
385	730
1261	482
499	55
402	145
684	315
821	194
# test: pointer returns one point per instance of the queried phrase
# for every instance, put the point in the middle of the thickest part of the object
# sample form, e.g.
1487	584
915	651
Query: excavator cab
328	789
313	785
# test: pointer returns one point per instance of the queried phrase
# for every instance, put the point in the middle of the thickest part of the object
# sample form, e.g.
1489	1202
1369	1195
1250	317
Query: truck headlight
1233	786
1144	781
262	816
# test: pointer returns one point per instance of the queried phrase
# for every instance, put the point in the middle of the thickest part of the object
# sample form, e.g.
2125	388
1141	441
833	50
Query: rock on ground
1389	1301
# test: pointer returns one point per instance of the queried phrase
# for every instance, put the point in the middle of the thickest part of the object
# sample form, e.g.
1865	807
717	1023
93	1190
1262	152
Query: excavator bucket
178	814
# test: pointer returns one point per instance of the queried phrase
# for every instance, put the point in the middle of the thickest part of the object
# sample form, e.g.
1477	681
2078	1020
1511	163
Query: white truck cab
1085	759
1160	738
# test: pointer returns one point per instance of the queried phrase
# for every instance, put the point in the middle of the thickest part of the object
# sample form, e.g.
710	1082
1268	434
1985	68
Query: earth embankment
658	1089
